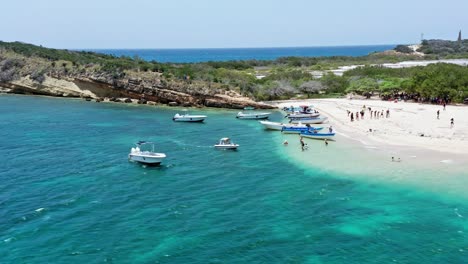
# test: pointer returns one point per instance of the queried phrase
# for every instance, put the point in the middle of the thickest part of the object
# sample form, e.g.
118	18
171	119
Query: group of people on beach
374	114
452	121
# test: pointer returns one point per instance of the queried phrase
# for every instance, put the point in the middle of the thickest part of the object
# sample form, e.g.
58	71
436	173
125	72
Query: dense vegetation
283	78
435	82
444	47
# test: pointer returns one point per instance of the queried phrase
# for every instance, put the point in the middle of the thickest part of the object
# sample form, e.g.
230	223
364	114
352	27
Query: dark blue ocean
200	55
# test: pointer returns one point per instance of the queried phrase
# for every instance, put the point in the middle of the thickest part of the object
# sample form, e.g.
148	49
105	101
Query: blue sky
219	24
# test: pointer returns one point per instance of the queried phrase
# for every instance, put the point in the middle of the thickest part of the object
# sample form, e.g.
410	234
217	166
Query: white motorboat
278	125
188	118
252	115
145	156
226	143
313	120
302	115
317	135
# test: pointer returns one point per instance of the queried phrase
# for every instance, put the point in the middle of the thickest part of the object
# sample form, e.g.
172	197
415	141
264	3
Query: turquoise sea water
69	195
199	55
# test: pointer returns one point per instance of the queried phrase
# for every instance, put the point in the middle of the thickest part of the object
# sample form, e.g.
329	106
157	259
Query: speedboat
145	156
188	118
302	115
298	130
226	143
311	120
274	125
279	126
316	135
252	115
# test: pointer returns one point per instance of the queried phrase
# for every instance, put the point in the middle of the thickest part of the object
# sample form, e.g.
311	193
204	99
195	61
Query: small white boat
303	115
278	125
317	135
252	115
226	143
145	156
313	120
188	118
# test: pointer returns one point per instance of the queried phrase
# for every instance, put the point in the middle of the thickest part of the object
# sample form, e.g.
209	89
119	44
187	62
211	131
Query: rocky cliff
99	88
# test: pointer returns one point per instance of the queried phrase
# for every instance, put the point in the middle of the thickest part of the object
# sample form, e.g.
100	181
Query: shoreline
412	128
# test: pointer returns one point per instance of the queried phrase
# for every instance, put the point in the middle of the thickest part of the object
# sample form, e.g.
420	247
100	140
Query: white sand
410	125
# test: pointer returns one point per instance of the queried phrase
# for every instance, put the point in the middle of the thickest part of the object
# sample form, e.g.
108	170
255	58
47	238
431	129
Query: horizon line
213	48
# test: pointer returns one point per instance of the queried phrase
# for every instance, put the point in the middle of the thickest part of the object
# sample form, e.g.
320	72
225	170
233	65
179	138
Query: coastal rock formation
100	86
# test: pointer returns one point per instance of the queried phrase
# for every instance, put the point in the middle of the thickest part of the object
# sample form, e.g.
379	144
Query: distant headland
30	69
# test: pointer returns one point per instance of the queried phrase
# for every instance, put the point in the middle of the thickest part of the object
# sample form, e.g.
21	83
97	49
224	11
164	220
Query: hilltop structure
459	36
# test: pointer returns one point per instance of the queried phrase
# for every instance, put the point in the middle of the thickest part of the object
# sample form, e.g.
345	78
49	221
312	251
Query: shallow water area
69	194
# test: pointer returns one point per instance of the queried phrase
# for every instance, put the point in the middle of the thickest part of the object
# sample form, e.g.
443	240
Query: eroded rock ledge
191	94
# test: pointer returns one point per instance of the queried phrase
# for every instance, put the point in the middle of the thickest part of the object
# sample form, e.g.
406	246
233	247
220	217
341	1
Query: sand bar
409	125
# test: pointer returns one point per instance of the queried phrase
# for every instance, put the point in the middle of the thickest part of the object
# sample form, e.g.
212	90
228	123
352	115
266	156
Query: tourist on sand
444	105
438	112
393	159
362	114
326	142
352	117
452	123
388	113
357	116
381	114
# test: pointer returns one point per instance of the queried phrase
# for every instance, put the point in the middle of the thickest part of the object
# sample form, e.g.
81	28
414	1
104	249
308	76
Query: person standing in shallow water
302	143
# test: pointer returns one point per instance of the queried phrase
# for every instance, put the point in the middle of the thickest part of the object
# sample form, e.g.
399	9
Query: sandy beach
410	125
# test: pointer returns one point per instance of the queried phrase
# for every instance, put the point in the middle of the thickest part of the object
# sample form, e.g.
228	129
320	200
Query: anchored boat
226	143
145	156
298	130
252	115
311	120
188	118
317	135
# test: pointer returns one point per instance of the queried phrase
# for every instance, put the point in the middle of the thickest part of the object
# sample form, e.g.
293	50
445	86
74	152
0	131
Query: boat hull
188	118
298	130
309	120
233	146
144	159
272	125
321	136
312	115
253	116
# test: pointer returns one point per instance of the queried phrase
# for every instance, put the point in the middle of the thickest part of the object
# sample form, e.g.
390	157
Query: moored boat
226	143
252	115
188	118
145	156
302	115
312	120
298	130
249	108
278	125
318	135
